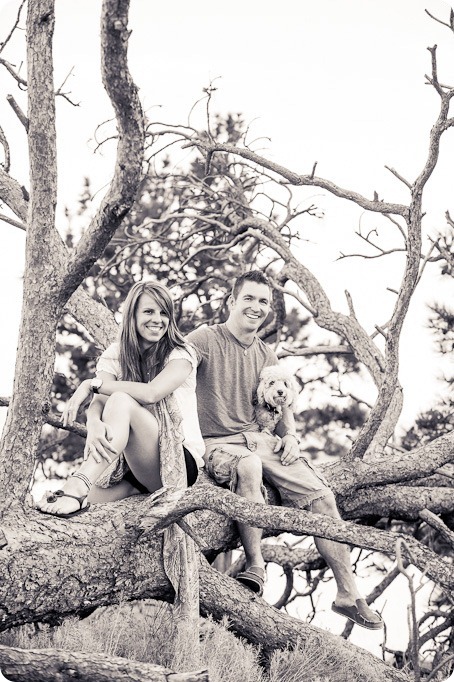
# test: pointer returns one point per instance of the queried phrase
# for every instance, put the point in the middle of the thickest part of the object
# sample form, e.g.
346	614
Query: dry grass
145	632
311	663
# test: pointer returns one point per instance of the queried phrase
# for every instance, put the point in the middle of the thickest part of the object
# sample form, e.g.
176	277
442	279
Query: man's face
251	306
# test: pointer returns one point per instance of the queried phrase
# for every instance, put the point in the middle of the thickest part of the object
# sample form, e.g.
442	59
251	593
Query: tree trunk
35	360
50	279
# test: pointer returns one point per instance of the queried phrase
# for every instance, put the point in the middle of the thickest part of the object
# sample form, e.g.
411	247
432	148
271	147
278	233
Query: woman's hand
98	440
77	399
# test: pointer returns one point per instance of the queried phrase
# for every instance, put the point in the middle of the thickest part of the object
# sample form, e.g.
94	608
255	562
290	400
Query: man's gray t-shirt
227	379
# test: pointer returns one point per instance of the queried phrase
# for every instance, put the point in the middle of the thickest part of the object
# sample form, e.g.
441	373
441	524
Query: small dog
276	388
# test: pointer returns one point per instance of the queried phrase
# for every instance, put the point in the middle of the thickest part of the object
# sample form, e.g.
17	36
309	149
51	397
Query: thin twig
16	24
9	67
399	177
5	145
11	221
435	522
413	623
435	19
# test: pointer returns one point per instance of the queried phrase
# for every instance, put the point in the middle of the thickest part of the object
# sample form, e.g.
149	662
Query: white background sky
340	82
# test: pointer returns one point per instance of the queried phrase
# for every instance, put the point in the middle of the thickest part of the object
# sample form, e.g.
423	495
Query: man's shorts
299	484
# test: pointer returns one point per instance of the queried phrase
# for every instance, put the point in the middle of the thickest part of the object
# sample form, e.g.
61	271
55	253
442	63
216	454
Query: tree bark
48	282
42	665
113	552
397	502
104	556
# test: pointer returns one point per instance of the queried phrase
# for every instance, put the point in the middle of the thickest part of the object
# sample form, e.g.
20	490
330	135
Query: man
231	357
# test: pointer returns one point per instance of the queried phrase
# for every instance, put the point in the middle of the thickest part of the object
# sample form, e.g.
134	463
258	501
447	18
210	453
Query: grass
145	632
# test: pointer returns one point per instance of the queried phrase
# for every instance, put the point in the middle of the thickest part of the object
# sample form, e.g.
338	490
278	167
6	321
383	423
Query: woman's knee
249	471
119	401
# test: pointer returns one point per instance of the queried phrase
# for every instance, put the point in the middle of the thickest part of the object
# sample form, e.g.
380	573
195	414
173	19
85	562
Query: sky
337	82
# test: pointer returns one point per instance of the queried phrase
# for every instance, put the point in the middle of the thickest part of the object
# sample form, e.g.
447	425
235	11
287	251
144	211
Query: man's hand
98	444
290	449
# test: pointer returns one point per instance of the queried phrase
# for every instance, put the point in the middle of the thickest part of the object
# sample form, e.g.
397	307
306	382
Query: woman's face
152	322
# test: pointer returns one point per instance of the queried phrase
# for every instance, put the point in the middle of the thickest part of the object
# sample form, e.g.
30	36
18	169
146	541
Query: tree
371	481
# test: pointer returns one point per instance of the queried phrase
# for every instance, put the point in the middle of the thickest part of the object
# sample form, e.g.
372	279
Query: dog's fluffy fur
276	388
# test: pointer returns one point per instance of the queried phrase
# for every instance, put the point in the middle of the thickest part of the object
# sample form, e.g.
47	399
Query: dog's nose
280	392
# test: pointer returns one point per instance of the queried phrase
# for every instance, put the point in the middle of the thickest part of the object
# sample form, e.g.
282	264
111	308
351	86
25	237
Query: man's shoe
360	614
253	578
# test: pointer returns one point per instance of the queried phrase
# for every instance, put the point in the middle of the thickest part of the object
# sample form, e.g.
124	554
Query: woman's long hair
135	365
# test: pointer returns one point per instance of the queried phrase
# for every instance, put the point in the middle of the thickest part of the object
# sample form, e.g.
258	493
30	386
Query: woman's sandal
53	497
253	578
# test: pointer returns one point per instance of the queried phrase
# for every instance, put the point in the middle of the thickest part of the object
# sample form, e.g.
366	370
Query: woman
142	425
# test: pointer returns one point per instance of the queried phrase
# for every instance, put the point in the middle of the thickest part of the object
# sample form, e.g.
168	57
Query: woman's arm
80	396
99	434
172	376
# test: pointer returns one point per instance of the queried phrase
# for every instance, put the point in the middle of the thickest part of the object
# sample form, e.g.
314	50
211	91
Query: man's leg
235	465
304	487
249	471
337	556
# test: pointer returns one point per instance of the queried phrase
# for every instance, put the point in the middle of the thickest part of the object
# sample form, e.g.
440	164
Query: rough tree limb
274	629
103	557
397	502
113	552
41	665
123	94
96	318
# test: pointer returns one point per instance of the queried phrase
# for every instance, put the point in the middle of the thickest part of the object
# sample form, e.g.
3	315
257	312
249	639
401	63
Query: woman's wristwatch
95	385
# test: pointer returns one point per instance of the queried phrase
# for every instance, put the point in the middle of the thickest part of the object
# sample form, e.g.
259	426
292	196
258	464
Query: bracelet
294	436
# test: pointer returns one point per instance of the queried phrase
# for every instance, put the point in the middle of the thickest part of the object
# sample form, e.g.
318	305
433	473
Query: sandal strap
60	493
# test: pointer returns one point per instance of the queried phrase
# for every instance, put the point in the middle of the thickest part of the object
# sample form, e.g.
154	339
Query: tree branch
300	180
18	111
122	192
40	665
298	522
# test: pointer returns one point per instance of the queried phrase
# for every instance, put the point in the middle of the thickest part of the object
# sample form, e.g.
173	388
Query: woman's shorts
299	484
192	473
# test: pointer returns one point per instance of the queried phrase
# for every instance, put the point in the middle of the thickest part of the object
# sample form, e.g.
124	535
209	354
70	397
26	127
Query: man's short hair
252	276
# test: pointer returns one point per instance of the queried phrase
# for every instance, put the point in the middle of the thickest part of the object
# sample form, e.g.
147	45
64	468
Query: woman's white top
185	395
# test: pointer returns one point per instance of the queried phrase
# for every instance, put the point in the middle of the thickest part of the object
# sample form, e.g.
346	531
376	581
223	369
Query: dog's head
276	388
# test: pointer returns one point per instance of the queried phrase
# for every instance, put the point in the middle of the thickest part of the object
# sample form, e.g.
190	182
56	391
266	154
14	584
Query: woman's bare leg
138	437
116	492
134	432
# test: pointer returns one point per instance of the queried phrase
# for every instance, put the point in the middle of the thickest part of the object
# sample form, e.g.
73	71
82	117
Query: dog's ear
294	391
261	393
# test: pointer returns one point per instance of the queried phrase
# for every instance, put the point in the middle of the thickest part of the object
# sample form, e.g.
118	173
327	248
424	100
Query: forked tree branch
122	192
